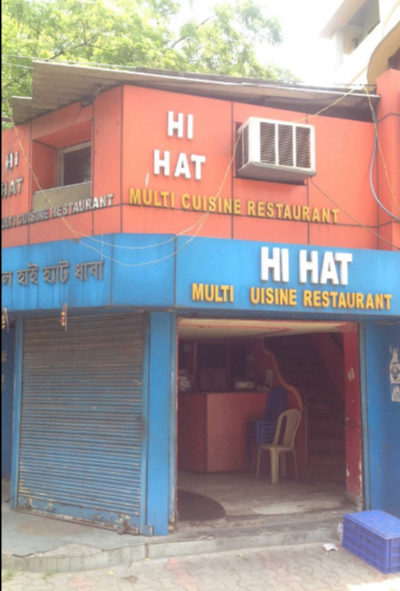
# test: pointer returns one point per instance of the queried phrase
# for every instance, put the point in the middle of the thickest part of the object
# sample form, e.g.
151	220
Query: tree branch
186	36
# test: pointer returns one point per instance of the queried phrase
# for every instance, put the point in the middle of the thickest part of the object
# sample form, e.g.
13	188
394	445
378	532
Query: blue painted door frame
381	416
161	474
7	396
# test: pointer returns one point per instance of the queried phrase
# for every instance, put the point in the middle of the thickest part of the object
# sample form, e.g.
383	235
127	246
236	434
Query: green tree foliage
136	33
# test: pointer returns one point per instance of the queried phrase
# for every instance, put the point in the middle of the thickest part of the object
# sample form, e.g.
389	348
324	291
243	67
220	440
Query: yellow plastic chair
292	416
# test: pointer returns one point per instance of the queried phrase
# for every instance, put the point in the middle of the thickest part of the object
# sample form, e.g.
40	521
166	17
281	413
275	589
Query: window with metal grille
267	143
303	147
279	151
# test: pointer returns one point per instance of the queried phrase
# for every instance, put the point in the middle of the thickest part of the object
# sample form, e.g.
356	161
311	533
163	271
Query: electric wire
377	143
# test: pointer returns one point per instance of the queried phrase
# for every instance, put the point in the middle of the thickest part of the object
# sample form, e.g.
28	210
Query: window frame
60	162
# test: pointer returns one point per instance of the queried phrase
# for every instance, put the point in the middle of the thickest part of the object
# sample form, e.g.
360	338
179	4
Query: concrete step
272	530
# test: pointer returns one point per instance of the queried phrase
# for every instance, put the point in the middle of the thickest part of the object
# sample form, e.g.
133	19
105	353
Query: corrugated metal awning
56	85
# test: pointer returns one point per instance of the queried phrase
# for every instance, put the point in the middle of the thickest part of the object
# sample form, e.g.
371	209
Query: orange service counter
212	429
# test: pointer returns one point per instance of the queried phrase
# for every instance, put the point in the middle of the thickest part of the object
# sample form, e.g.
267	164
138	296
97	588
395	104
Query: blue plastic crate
374	536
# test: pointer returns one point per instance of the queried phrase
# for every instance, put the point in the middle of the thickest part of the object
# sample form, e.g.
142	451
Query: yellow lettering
227	206
164	195
342	301
287	215
283	297
251	208
379	301
351	300
292	297
296	210
197	292
196	202
359	301
270	210
369	302
147	197
255	295
261	209
335	214
237	207
315	215
387	298
185	201
157	202
209	292
224	289
325	299
334	296
326	215
134	197
279	207
212	206
269	295
307	294
317	299
306	213
218	298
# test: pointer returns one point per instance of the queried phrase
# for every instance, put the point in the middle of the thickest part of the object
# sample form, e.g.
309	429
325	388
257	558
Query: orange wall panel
107	221
388	159
241	112
343	236
44	165
250	190
72	134
388	88
390	236
167	221
16	140
145	130
107	144
270	230
263	204
343	158
15	237
62	121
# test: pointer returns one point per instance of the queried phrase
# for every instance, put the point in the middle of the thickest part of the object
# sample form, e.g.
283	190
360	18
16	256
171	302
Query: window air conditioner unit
271	150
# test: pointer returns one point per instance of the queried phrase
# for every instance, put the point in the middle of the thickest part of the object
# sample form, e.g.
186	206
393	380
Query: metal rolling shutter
82	436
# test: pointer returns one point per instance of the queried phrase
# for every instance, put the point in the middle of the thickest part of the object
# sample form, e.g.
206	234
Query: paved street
293	568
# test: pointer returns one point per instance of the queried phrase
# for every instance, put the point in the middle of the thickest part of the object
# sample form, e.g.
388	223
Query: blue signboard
165	271
252	276
103	271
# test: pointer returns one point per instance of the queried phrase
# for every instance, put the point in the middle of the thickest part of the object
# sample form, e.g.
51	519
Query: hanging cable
371	182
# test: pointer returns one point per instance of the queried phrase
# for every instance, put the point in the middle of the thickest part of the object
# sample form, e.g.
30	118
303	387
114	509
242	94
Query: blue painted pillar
161	421
381	427
19	332
7	395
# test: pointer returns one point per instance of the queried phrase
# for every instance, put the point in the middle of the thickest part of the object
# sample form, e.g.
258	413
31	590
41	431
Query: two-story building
173	246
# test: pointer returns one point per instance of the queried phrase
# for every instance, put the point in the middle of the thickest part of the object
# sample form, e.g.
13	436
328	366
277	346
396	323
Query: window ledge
61	195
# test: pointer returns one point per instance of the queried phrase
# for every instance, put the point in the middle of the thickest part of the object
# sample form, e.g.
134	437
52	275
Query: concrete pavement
288	568
39	544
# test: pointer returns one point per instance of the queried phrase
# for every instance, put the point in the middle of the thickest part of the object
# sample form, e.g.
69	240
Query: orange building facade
129	209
